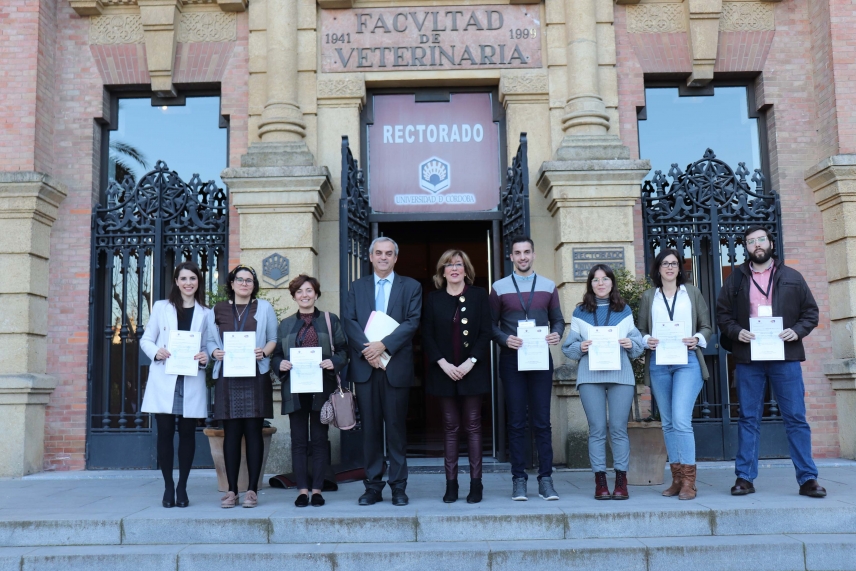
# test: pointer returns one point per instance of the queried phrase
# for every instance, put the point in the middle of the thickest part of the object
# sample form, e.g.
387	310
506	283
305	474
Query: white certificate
534	354
670	349
306	374
182	347
240	358
604	351
767	345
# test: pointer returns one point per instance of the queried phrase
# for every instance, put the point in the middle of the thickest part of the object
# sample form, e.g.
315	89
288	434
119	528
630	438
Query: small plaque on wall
275	270
585	258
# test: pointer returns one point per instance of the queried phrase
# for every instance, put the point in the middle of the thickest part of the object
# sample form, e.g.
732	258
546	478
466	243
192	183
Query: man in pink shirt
766	287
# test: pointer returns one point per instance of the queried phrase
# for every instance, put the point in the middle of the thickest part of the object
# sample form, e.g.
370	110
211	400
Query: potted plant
215	433
648	455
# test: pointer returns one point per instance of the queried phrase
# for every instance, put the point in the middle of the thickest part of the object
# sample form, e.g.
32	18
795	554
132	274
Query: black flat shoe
370	497
399	498
181	499
302	501
168	499
317	501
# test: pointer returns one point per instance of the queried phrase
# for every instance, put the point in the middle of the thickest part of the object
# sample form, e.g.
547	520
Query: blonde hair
446	258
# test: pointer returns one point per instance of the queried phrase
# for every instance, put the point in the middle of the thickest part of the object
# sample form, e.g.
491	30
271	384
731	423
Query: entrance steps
72	523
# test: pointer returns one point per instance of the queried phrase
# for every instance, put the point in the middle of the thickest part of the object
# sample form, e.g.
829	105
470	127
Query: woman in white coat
176	396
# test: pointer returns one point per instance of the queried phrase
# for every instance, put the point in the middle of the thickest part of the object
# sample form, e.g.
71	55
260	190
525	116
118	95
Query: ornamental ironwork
142	231
514	202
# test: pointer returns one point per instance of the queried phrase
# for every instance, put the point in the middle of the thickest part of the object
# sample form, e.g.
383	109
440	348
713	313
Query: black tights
235	430
166	451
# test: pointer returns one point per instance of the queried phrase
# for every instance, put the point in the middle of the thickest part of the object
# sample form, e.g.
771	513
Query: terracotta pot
648	455
215	438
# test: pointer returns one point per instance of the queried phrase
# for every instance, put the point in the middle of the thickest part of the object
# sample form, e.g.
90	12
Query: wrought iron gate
703	213
514	202
354	241
137	238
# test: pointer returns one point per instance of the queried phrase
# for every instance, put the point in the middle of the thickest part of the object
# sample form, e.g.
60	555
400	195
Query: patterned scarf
307	336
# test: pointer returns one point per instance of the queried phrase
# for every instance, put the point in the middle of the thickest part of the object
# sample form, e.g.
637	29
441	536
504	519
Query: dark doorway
420	246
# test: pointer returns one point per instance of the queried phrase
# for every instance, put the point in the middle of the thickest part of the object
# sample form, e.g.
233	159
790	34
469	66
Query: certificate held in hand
379	326
767	345
670	349
306	374
604	351
534	354
240	357
183	346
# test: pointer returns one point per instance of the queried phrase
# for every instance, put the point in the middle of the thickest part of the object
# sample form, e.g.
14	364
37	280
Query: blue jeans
596	397
786	380
675	389
527	390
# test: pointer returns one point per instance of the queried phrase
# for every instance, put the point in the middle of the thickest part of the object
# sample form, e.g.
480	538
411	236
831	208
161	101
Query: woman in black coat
308	328
456	335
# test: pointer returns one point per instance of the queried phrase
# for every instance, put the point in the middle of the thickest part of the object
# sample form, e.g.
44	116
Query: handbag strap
332	349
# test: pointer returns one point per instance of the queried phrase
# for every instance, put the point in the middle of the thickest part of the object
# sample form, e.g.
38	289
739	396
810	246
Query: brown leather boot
677	476
688	489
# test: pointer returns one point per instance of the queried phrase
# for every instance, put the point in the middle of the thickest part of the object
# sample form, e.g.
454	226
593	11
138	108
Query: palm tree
121	157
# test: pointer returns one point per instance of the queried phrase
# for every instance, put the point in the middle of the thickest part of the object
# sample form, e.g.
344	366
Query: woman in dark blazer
456	335
308	328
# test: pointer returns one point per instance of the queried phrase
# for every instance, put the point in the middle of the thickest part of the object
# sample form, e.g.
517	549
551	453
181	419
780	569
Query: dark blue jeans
527	390
786	380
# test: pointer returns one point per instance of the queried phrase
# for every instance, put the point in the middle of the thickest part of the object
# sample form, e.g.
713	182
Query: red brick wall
787	83
842	16
79	101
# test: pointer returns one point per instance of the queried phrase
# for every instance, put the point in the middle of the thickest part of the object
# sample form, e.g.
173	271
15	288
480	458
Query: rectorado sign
456	37
433	156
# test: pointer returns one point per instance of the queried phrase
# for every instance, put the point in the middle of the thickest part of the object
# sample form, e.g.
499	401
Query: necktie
380	299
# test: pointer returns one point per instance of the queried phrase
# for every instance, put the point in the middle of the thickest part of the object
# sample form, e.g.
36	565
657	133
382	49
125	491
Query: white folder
379	326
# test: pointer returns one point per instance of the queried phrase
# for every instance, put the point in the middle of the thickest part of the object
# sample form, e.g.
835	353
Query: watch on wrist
474	360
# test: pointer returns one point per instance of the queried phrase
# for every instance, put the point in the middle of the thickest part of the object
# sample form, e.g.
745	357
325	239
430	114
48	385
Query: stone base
591	147
22	422
842	374
292	154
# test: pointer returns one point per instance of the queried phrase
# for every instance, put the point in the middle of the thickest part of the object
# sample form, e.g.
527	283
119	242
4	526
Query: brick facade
54	95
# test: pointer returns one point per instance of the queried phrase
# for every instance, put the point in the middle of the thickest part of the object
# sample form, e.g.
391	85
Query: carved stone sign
450	37
585	258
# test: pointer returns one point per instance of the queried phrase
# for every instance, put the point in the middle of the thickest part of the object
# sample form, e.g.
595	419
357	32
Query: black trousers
305	427
382	404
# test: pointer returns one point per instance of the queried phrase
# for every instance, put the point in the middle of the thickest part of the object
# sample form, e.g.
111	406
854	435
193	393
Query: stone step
276	524
715	553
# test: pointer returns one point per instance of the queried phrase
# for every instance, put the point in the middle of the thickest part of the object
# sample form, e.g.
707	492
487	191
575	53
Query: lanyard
670	310
608	313
520	296
240	323
766	294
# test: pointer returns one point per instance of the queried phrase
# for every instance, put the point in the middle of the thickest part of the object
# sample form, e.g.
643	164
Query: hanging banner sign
412	38
433	156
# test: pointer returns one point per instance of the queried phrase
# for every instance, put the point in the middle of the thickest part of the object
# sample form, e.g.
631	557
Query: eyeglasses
454	266
760	240
241	281
601	281
669	265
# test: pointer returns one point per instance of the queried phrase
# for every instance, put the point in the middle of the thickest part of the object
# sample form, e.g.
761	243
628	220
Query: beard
761	257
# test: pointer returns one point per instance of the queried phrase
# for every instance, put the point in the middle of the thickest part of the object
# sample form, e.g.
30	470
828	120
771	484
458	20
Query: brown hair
298	282
175	293
589	302
446	258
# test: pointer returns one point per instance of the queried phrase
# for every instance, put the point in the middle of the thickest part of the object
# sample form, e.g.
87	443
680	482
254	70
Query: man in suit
383	391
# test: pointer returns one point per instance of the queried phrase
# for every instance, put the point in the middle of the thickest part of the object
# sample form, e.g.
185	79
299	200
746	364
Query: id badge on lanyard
765	311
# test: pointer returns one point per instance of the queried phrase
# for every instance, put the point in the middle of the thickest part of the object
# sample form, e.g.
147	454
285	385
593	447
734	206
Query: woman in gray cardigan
676	387
309	328
242	403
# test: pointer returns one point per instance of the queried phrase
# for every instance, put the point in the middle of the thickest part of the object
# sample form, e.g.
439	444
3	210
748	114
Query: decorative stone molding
656	18
704	39
747	17
96	7
116	29
351	87
208	27
523	87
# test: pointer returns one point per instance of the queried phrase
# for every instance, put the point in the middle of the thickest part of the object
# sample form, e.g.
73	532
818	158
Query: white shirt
387	287
683	312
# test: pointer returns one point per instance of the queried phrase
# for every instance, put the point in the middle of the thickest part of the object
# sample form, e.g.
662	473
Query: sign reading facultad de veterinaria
430	38
433	156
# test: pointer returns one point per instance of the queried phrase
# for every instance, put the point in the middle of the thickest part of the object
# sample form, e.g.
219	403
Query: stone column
585	112
833	181
29	203
282	119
